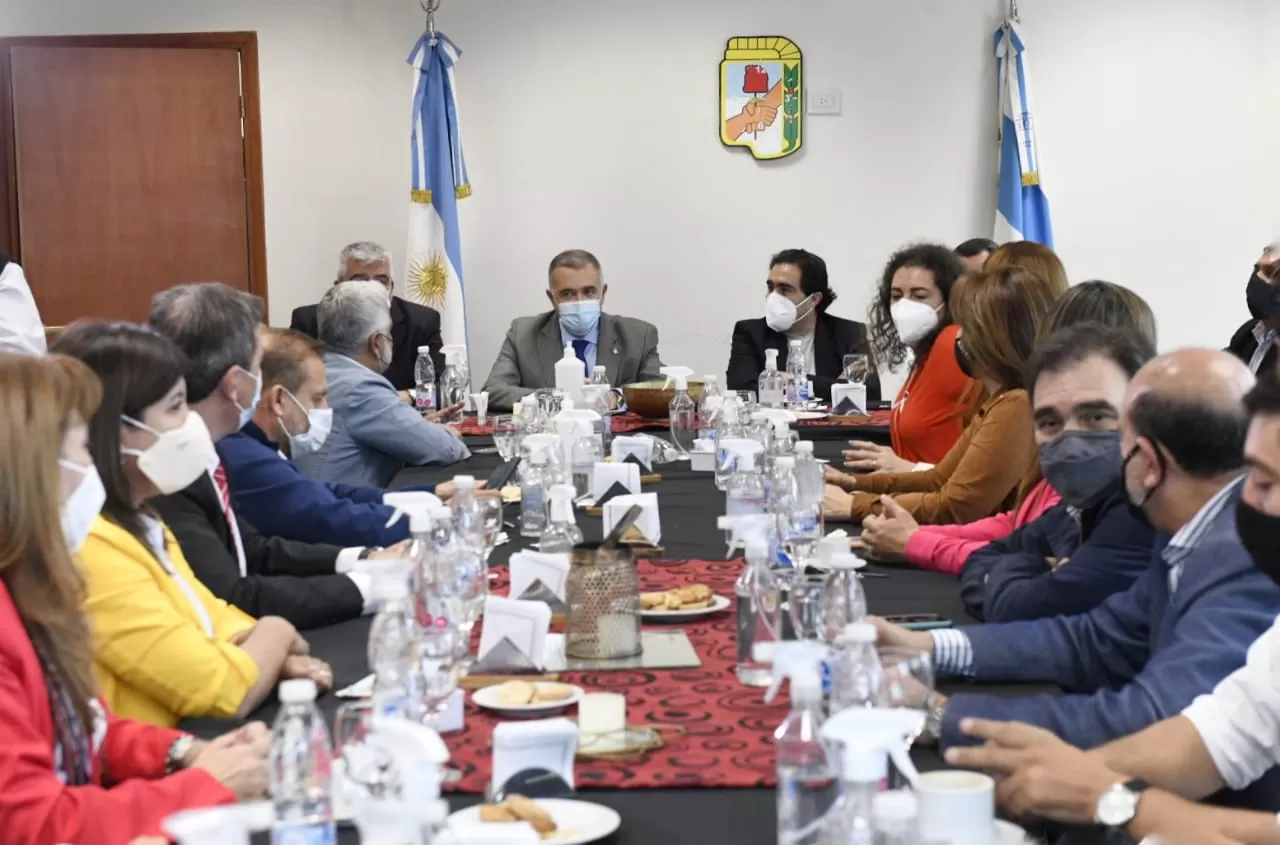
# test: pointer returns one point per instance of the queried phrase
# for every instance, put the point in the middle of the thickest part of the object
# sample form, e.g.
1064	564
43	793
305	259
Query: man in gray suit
375	434
626	347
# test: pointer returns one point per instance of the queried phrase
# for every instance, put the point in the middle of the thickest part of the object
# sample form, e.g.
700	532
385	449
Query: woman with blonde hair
1037	258
70	770
999	313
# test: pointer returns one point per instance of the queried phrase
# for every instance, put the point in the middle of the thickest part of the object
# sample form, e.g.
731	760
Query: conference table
726	728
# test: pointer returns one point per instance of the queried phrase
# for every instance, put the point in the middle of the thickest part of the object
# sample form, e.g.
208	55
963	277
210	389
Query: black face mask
962	358
1260	535
1138	509
1263	299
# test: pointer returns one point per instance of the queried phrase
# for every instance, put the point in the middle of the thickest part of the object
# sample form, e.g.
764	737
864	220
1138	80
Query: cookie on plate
527	810
552	692
496	813
516	692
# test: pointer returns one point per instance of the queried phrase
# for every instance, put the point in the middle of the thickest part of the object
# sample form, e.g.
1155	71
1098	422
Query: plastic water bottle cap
464	482
898	805
860	632
297	691
424	350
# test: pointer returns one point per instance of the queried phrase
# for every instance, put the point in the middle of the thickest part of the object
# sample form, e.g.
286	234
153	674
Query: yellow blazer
157	657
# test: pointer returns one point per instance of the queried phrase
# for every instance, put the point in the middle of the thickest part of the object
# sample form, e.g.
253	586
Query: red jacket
130	795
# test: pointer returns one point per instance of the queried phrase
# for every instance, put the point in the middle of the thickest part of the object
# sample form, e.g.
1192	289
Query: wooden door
129	173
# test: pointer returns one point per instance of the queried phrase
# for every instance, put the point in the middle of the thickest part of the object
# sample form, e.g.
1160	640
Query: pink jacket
945	548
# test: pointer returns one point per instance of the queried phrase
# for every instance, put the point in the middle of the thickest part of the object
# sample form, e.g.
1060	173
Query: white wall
592	123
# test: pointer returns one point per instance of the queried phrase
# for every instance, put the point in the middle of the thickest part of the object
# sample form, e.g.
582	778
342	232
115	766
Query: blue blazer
1139	657
279	501
1009	579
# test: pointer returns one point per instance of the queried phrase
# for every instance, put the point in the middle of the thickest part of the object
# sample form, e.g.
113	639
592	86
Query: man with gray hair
412	325
374	434
310	584
627	348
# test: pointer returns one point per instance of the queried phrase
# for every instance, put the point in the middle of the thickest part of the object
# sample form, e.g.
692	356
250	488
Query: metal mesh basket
603	593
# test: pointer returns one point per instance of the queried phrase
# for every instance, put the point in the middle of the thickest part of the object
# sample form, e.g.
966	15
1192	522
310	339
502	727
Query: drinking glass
441	666
747	398
856	367
505	433
907	682
367	770
463	589
491	512
805	599
586	453
550	401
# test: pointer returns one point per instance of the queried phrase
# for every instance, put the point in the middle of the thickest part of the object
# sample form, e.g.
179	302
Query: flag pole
1013	11
430	7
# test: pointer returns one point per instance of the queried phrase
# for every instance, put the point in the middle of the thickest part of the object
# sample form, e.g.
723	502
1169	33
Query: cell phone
879	406
502	474
918	621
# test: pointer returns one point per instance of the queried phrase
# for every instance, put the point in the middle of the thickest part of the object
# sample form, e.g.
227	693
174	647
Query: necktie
224	496
580	349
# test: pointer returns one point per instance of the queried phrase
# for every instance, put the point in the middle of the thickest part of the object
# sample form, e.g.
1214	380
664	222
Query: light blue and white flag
434	271
1022	210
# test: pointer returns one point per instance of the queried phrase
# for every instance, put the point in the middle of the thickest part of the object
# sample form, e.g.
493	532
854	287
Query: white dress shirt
21	329
1239	722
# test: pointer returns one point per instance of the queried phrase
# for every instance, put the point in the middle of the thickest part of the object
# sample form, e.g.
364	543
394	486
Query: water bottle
562	532
797	377
799	521
709	408
809	475
856	672
896	818
533	508
683	413
466	512
843	601
744	490
455	381
729	426
398	683
597	396
806	778
424	376
586	453
300	761
852	819
759	612
771	391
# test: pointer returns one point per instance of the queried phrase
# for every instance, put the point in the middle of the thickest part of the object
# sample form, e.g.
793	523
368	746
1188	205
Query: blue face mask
246	414
580	318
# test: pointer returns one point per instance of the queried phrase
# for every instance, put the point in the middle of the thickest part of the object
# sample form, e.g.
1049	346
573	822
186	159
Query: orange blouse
927	417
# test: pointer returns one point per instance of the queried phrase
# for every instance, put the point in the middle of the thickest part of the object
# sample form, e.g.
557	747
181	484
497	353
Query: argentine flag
434	272
1022	211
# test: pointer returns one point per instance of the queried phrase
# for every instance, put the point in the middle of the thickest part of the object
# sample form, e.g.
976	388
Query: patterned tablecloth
725	736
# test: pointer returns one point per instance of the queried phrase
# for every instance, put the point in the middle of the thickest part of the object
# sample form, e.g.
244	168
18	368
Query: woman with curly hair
911	314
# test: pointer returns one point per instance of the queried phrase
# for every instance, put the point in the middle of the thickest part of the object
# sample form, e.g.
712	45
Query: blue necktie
580	349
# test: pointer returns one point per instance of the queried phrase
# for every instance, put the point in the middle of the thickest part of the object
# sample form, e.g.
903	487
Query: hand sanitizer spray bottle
416	814
806	770
867	740
683	411
759	604
771	391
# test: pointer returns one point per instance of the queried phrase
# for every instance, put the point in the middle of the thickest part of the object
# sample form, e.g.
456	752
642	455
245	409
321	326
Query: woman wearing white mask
910	315
164	647
71	770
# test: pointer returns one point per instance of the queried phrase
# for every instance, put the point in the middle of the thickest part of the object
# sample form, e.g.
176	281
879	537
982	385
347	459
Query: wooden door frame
246	43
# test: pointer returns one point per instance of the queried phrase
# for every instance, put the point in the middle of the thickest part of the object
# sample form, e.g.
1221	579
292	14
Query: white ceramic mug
956	808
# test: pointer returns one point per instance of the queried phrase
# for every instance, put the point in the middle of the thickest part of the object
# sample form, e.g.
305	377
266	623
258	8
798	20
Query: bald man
1185	624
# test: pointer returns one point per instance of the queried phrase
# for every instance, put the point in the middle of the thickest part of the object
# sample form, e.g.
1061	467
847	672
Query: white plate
258	816
810	415
488	699
718	603
577	822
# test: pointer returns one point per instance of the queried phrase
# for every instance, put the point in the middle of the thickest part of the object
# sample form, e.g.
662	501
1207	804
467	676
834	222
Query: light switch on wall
823	101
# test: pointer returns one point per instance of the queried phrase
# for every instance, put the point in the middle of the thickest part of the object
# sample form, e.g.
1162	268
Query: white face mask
178	457
913	320
246	414
309	441
780	313
82	508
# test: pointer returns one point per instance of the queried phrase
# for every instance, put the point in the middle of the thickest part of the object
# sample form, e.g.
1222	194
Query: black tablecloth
688	504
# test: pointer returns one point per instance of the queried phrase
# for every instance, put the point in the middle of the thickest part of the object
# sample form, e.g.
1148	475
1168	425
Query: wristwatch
1119	803
176	759
935	707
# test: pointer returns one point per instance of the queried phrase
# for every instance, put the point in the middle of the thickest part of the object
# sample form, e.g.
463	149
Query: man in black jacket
1255	341
219	330
798	296
412	325
1091	544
